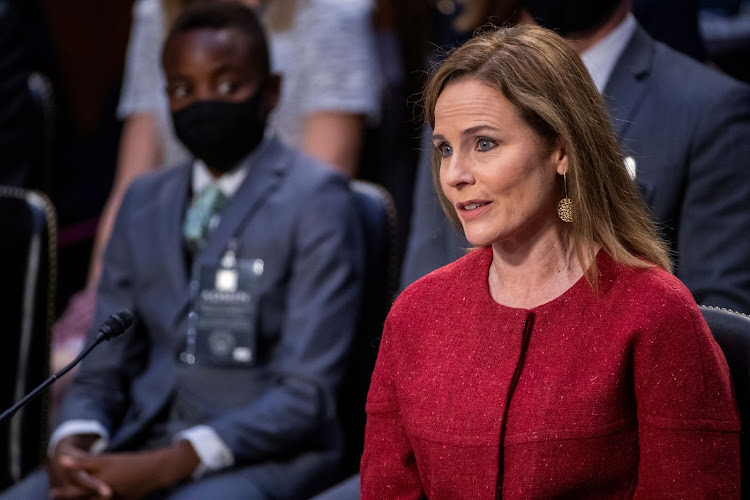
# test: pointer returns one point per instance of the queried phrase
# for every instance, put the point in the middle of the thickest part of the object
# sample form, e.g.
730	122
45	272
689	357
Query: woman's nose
456	170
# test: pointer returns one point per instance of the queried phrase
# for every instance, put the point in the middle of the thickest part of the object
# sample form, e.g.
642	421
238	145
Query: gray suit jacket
688	129
299	218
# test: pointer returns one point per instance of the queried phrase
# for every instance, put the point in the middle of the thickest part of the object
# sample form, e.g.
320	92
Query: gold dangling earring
565	206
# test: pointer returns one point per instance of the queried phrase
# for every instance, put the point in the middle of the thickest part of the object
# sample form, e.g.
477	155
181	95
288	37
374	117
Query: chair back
27	297
732	332
377	213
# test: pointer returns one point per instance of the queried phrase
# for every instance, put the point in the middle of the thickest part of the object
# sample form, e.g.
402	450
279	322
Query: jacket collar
626	87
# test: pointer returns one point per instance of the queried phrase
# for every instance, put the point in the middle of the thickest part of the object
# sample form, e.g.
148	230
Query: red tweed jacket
618	393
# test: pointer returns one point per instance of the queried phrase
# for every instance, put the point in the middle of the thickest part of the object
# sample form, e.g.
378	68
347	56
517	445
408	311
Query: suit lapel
626	86
266	172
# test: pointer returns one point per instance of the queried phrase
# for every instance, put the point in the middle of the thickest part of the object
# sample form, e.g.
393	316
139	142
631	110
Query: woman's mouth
472	209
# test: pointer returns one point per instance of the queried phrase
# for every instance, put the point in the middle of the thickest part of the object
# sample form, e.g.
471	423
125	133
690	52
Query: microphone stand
115	325
7	414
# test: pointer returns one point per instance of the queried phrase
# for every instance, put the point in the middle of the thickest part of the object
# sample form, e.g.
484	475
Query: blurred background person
683	128
544	363
325	52
322	48
247	410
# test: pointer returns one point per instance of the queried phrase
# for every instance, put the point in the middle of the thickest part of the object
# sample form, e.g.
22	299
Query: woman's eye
226	87
445	149
484	144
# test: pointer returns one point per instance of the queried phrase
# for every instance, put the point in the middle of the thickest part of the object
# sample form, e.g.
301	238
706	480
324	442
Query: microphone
113	327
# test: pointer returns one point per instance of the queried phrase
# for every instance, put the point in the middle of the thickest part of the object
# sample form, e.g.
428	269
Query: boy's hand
69	482
134	475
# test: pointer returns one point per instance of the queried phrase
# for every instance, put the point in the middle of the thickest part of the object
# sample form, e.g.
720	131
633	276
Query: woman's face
499	175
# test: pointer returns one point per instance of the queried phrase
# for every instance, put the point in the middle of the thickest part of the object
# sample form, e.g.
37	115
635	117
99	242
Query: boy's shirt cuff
210	448
79	426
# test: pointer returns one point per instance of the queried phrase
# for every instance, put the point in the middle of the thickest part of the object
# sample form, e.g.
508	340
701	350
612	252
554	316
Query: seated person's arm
336	138
67	480
140	101
98	398
99	392
140	152
76	474
341	89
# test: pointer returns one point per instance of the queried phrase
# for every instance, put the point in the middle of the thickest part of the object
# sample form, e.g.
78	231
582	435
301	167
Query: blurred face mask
221	133
571	16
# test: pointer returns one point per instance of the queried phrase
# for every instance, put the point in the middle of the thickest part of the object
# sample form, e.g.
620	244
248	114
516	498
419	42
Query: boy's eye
485	144
444	149
226	87
178	91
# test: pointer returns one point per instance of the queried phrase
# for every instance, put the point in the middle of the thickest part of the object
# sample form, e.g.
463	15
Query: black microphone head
117	324
125	318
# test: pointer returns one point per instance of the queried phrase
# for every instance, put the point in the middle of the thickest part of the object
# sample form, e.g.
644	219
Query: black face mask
571	16
220	133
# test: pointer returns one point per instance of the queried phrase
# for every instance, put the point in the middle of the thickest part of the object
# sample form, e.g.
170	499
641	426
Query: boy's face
210	64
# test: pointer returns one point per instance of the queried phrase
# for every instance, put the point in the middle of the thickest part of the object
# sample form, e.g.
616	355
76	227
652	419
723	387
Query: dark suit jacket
300	220
688	129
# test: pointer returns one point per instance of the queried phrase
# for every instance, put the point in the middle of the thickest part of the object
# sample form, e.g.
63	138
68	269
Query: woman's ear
560	157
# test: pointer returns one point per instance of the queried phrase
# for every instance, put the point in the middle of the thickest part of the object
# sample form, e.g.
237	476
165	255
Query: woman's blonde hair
550	88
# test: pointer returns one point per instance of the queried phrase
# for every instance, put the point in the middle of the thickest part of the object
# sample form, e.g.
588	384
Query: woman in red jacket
560	358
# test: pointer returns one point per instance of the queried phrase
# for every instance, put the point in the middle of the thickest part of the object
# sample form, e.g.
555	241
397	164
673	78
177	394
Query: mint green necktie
209	202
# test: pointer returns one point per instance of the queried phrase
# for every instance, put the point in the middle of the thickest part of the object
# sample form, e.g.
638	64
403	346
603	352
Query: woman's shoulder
619	279
681	377
651	297
441	285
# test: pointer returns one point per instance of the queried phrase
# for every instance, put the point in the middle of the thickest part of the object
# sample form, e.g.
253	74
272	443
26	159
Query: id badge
222	325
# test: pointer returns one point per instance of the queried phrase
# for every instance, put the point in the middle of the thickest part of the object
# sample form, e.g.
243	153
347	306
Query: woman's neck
532	272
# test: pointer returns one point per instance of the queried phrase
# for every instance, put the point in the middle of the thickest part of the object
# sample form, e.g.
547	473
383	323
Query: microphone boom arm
114	326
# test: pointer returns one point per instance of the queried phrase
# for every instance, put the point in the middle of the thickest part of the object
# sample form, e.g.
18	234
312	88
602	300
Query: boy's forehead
211	44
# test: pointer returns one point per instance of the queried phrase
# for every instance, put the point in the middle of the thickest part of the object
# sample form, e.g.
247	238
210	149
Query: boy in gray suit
243	270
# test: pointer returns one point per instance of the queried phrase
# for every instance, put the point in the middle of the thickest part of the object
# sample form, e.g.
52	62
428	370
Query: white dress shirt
600	59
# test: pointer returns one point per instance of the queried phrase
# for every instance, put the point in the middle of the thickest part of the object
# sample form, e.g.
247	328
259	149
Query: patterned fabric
209	202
